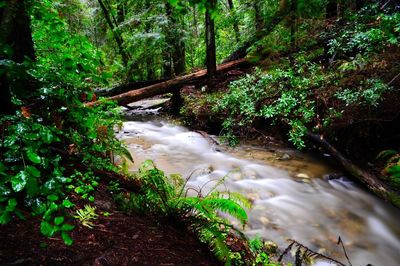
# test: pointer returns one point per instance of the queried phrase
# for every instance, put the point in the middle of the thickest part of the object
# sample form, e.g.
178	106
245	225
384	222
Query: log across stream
293	193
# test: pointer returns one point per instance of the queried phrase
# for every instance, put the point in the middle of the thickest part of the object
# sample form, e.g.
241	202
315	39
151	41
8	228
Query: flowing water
291	194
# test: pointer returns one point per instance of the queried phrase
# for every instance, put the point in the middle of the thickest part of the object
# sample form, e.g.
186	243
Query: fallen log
169	85
370	181
122	88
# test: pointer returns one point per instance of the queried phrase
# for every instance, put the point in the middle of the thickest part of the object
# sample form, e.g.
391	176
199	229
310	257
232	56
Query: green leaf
46	135
33	156
67	227
67	239
33	171
5	217
18	181
12	203
46	229
2	169
68	204
32	187
52	197
4	191
58	220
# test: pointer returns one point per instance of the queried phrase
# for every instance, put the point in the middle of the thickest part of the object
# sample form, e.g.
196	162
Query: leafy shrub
278	95
52	145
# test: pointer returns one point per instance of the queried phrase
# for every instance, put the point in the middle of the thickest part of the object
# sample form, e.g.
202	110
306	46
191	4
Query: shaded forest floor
116	239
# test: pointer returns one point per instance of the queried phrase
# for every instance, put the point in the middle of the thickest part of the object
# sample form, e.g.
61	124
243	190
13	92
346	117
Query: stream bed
293	193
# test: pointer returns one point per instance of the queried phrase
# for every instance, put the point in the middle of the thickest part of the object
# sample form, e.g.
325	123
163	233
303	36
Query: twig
344	250
393	79
312	253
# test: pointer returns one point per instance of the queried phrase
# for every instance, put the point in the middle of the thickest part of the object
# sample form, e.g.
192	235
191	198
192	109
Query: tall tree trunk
272	22
258	15
293	18
331	9
211	59
235	20
116	34
15	36
175	40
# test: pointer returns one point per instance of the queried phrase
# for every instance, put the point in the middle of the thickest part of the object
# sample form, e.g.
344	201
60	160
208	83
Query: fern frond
227	206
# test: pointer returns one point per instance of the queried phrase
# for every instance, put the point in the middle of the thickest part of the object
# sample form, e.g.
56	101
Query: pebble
302	176
285	157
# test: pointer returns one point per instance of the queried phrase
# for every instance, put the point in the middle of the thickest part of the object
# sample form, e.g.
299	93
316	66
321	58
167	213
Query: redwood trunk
210	42
15	33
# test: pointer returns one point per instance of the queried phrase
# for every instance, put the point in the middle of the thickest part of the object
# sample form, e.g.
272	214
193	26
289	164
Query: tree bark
258	16
235	20
331	9
117	37
16	37
293	8
273	21
175	40
211	59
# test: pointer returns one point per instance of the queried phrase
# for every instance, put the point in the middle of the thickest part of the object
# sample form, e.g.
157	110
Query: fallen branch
370	181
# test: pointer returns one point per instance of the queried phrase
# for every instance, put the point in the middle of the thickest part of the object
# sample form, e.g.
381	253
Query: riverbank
115	239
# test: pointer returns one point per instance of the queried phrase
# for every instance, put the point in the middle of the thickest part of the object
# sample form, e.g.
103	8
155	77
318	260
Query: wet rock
285	157
264	220
270	246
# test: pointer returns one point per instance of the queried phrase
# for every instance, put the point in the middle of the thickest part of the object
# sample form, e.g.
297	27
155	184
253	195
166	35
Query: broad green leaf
46	135
52	197
5	217
46	229
58	220
33	171
67	227
33	156
32	187
12	203
67	204
18	181
67	239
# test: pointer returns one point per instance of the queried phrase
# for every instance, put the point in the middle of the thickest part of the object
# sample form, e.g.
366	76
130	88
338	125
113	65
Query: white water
307	208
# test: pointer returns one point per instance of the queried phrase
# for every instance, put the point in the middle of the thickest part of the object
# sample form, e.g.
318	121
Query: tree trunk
331	9
235	20
293	7
211	60
175	40
117	36
258	15
273	21
15	33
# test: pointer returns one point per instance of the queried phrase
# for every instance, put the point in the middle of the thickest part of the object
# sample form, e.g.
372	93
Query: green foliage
52	133
358	36
392	169
166	197
278	95
369	93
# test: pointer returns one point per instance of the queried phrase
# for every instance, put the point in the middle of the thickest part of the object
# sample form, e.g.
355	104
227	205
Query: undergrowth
165	197
309	95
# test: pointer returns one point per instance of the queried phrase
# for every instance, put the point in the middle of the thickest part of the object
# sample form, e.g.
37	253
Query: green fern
164	196
86	216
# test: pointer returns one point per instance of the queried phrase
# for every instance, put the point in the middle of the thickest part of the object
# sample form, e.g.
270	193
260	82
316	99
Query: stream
293	194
